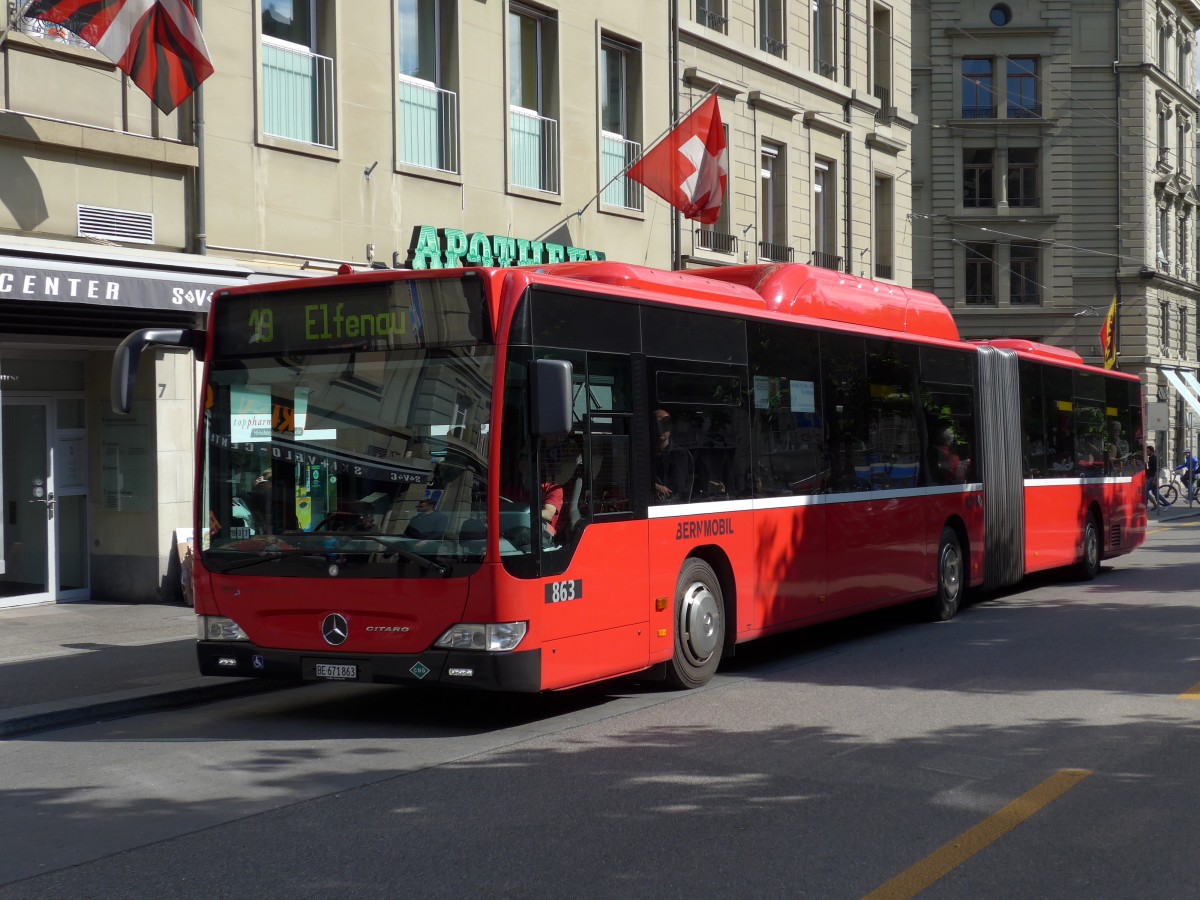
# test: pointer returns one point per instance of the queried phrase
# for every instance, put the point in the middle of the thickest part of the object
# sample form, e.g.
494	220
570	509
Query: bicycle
1174	487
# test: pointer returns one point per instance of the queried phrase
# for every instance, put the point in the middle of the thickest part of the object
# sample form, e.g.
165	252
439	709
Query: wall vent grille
116	224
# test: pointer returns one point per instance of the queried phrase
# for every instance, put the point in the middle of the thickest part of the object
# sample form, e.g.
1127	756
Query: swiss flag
157	43
687	168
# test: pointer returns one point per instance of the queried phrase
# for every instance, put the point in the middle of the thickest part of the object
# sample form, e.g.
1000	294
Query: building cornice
826	123
698	77
764	101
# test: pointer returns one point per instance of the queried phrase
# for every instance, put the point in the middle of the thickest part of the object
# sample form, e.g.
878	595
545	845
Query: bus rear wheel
1089	562
948	599
699	626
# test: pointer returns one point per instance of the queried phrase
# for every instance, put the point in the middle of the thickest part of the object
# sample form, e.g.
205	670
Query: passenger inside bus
950	467
673	467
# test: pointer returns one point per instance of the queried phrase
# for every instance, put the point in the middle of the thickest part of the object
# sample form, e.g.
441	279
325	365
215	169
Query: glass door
27	496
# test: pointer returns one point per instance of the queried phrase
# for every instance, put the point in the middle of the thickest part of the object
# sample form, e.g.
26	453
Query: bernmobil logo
686	531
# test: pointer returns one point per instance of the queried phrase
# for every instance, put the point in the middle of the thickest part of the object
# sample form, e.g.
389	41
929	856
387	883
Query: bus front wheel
699	626
1089	561
949	576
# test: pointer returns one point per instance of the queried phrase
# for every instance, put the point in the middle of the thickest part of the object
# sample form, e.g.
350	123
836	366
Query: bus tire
1089	561
950	582
699	626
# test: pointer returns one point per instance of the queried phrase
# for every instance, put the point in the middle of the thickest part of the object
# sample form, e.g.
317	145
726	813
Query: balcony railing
883	95
883	270
981	299
775	252
712	15
979	112
825	69
533	151
616	155
298	95
716	241
826	260
1024	202
1027	297
427	120
47	31
1024	110
774	46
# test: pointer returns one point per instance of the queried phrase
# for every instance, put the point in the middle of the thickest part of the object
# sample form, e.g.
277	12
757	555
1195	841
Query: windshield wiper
326	555
407	554
274	556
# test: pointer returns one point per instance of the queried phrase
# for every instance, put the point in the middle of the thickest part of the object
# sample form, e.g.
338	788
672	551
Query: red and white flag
157	43
687	168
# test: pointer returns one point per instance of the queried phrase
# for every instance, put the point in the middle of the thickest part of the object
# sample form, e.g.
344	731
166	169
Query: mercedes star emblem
334	629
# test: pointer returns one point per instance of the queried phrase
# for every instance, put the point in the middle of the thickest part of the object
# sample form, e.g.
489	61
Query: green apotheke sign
450	248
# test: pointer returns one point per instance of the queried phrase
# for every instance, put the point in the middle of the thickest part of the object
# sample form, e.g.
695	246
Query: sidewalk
69	663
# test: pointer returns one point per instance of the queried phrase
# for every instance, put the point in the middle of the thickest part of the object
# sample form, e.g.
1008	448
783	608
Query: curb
88	710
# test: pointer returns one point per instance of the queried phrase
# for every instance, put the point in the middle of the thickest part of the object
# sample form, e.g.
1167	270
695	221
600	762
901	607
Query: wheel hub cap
699	617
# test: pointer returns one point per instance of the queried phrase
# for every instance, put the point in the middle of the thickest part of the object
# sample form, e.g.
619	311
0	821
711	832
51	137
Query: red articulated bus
528	479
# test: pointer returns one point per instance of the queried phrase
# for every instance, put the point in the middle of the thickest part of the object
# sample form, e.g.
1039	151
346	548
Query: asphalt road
1042	744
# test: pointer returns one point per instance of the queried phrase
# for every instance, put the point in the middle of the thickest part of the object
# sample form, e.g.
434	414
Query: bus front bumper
512	671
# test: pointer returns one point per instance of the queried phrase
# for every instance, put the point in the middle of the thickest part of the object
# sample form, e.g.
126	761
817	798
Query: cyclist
1188	468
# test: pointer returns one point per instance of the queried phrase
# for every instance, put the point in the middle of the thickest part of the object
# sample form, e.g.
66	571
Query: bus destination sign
392	315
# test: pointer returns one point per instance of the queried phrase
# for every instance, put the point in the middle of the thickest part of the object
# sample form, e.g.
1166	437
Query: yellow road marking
1192	693
948	857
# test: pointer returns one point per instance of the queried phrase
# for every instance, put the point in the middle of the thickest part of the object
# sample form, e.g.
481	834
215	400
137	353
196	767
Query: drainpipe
200	241
673	111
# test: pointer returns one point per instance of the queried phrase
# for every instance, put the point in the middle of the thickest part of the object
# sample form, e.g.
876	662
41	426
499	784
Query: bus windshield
346	432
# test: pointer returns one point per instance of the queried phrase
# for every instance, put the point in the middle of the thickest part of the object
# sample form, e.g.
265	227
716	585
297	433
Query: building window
532	100
1183	351
1000	15
1182	130
1024	283
1182	244
620	122
978	166
978	91
824	228
773	236
717	236
712	14
1022	89
1164	316
885	214
298	87
427	110
771	25
1164	239
1184	67
1023	176
881	55
824	36
980	274
1164	43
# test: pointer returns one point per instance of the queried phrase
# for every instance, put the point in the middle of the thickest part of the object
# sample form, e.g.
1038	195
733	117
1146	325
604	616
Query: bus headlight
219	628
493	636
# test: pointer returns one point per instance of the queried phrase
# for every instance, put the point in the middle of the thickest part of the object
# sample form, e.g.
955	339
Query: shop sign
450	248
49	280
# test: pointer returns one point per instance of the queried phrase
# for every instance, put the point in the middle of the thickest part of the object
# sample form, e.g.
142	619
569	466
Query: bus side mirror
552	397
128	355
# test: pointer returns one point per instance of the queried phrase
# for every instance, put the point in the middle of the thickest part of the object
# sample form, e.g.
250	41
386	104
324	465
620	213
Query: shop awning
1190	379
39	280
1186	392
